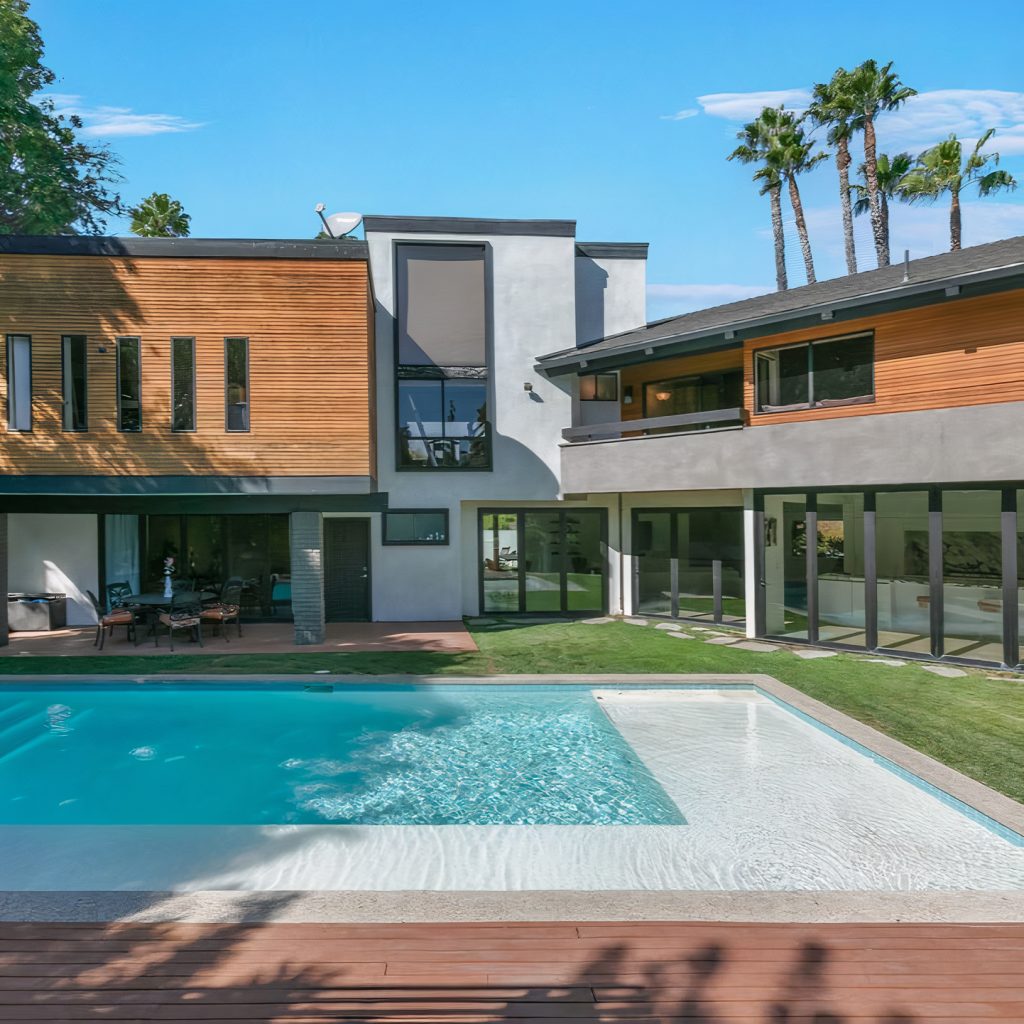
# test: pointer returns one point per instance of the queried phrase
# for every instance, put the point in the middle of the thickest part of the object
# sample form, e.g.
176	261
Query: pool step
29	731
9	712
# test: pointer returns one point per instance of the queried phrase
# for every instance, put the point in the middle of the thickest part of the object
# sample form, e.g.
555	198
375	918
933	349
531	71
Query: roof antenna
906	265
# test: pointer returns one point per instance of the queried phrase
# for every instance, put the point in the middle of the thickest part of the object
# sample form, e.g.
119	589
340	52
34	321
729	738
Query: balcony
714	419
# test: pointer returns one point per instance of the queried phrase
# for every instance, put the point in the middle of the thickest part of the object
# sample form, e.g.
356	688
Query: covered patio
257	638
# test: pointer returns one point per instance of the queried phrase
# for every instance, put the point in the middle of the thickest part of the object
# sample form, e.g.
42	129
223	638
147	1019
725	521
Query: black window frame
811	403
427	372
711	377
248	389
117	359
391	542
65	402
7	370
190	338
614	377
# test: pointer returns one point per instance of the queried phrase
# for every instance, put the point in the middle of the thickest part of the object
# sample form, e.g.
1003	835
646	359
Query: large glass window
129	385
901	545
236	384
441	357
972	573
416	526
19	382
710	552
653	555
73	381
785	565
821	374
543	560
694	394
183	384
841	604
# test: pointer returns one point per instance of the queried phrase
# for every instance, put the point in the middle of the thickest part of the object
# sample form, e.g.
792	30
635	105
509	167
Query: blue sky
617	115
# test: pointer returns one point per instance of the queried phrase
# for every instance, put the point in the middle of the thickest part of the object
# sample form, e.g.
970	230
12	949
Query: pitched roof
855	291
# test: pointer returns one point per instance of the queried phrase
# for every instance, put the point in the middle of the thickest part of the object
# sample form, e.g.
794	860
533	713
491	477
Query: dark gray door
346	569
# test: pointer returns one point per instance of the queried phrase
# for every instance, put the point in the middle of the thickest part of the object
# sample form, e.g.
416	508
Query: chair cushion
220	612
179	620
118	617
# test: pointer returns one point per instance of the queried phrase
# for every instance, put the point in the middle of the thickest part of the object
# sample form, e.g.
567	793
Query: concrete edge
412	907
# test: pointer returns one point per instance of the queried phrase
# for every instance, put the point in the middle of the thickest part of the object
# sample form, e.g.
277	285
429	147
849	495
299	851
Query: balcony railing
683	422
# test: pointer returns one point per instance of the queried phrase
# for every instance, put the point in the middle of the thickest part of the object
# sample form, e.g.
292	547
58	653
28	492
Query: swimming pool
465	787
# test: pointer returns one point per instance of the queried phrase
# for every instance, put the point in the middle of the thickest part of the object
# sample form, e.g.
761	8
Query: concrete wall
611	296
974	444
55	554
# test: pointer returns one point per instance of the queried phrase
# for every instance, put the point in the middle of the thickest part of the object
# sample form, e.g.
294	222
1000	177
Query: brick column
307	541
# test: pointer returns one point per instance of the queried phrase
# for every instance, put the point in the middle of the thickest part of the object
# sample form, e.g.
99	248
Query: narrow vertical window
19	382
236	384
74	389
129	385
183	384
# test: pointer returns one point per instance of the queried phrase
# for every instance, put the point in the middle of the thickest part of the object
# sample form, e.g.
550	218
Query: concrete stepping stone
636	622
756	646
891	662
946	671
680	636
600	621
668	626
721	640
812	653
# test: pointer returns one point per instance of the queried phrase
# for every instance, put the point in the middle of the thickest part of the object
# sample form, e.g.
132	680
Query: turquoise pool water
228	755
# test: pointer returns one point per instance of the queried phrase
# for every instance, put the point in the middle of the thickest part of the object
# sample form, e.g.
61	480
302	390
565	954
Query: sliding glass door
543	561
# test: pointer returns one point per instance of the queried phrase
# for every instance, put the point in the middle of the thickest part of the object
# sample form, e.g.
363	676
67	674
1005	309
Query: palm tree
759	145
833	108
890	172
943	169
796	156
875	89
159	216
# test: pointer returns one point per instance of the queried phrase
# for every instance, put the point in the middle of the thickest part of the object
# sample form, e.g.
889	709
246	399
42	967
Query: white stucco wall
55	554
611	296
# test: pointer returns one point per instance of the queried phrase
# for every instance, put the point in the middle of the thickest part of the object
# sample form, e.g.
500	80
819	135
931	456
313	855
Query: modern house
460	416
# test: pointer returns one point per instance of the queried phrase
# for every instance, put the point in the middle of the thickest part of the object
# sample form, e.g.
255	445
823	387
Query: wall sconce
527	386
662	396
627	395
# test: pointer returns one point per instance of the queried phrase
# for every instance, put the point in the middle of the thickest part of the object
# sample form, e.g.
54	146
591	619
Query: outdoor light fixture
527	386
662	396
627	395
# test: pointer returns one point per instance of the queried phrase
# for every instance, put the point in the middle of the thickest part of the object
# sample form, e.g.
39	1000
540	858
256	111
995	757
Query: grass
974	724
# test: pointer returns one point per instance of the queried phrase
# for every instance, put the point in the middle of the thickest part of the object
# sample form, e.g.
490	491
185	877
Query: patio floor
647	972
257	638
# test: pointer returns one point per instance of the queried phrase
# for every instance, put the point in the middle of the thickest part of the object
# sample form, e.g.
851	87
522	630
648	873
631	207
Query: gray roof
982	267
186	248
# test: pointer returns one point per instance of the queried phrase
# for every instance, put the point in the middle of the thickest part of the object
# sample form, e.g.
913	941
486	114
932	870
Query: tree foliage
160	216
51	182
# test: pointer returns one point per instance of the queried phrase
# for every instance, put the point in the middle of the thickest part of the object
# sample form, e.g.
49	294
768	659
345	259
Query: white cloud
120	121
670	299
743	106
930	116
681	115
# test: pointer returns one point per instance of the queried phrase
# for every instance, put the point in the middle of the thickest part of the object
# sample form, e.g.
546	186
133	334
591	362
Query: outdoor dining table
156	601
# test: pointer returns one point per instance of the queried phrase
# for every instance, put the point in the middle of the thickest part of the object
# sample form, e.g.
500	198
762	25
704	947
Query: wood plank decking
627	971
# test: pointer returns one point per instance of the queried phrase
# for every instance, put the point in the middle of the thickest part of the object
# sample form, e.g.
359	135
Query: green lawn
974	724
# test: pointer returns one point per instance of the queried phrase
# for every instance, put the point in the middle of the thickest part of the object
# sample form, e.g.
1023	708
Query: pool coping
454	905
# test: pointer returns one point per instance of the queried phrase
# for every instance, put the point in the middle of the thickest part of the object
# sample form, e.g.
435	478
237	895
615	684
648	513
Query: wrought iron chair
106	621
182	615
227	609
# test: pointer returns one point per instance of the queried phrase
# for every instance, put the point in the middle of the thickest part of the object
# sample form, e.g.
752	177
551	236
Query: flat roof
613	250
470	226
996	266
186	248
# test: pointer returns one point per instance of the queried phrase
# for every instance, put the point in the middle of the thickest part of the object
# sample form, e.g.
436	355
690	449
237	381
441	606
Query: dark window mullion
1011	594
935	570
563	562
673	564
810	376
870	573
811	555
521	558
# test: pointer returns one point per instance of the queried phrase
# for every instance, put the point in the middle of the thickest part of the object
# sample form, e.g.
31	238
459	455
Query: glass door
785	565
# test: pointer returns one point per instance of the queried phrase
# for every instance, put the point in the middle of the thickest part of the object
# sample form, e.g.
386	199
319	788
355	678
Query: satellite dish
339	224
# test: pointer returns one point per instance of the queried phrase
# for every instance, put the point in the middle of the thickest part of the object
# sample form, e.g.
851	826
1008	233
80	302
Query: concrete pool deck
611	903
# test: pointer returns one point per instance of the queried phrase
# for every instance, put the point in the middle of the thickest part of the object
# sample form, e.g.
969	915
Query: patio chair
117	593
227	609
183	615
106	621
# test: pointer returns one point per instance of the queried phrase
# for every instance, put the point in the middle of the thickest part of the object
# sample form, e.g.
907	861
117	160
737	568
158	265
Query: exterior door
346	569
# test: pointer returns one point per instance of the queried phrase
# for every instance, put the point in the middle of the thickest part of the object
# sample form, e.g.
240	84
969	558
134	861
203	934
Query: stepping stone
596	622
636	622
722	640
812	653
946	671
756	646
892	662
669	626
680	636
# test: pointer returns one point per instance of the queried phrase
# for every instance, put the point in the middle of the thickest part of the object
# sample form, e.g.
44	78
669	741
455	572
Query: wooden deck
627	971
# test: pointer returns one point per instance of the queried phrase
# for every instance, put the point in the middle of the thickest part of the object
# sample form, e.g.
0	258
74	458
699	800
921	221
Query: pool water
226	755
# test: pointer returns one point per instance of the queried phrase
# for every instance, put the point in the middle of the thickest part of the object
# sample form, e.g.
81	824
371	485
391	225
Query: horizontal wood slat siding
669	369
923	357
309	363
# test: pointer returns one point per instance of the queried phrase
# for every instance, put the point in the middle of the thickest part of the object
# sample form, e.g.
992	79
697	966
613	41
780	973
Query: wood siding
670	369
307	322
957	353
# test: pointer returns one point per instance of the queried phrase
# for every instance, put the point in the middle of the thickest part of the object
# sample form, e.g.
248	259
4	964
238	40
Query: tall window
821	374
19	382
236	384
73	382
183	384
599	387
441	358
129	385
